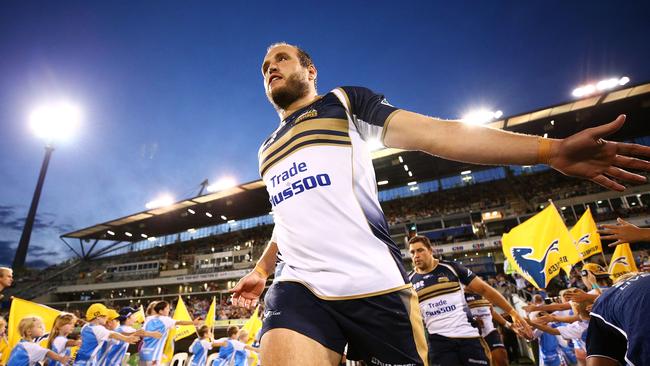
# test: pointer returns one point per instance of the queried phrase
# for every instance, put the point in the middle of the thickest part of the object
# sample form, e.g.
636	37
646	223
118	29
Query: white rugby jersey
329	226
481	309
442	300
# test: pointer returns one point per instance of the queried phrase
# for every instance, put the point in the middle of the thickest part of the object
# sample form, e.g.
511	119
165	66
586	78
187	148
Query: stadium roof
251	199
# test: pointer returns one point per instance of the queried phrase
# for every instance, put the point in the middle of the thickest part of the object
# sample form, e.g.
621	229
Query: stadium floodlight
224	218
191	211
602	85
144	235
56	121
151	238
406	168
221	184
382	182
208	214
110	232
411	183
410	173
232	222
481	116
128	234
400	159
162	201
465	172
52	122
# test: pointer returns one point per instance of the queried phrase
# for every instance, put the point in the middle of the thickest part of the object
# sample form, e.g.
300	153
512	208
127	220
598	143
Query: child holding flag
58	340
27	352
152	348
201	345
122	323
94	334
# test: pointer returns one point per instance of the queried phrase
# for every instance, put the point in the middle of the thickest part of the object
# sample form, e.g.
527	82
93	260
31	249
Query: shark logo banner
585	234
622	261
540	246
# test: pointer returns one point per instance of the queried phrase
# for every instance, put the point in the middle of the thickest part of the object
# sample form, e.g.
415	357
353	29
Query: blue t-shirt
152	348
26	354
92	340
199	349
114	350
58	347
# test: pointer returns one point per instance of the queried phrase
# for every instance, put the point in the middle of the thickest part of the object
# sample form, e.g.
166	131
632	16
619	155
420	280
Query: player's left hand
586	155
520	326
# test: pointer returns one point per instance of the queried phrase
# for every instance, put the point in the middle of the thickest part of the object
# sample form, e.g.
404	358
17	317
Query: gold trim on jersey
385	128
478	304
439	287
487	351
352	297
307	144
333	124
417	325
347	107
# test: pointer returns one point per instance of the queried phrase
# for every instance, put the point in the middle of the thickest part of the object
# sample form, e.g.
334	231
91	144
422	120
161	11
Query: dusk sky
172	91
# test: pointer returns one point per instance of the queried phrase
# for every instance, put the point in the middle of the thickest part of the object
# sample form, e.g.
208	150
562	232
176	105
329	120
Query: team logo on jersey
443	279
535	268
385	102
309	114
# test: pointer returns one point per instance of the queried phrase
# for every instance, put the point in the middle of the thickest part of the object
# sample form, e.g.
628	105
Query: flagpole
571	236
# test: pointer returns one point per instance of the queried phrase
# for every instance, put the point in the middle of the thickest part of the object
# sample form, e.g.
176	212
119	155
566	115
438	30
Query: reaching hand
577	295
520	326
586	155
623	232
132	339
248	290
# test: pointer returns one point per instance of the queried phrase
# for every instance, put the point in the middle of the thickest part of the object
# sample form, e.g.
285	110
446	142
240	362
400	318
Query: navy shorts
381	329
446	351
605	341
494	340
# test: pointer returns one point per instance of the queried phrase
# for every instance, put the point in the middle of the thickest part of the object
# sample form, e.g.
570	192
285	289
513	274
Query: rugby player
483	312
343	280
618	329
440	286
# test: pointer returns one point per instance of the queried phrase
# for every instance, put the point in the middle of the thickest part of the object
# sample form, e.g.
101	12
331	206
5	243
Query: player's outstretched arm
480	287
624	232
584	155
249	288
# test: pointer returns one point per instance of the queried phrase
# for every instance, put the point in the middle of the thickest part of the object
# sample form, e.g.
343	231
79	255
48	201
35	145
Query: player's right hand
132	339
248	290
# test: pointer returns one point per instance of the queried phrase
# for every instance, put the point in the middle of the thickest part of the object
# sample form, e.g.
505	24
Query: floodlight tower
50	122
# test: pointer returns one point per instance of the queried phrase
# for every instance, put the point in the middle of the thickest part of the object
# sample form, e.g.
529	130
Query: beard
294	88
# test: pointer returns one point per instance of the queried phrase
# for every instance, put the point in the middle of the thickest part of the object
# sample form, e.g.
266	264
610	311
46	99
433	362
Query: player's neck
299	103
429	268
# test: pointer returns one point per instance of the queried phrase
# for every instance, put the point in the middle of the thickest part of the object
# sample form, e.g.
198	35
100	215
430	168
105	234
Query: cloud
7	252
10	220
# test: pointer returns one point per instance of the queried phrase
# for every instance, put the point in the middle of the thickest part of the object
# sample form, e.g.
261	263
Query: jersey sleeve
206	344
465	275
101	333
35	351
571	331
58	345
168	322
371	111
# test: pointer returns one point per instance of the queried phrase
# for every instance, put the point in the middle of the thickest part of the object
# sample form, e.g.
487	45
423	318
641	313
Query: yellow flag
211	317
179	332
622	261
20	309
586	237
540	246
253	326
181	313
139	315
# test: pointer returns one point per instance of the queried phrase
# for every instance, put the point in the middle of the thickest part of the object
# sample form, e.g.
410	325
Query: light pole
51	122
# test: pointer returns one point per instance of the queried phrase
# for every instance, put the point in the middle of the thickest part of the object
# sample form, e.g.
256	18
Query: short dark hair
160	305
420	239
203	331
232	330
